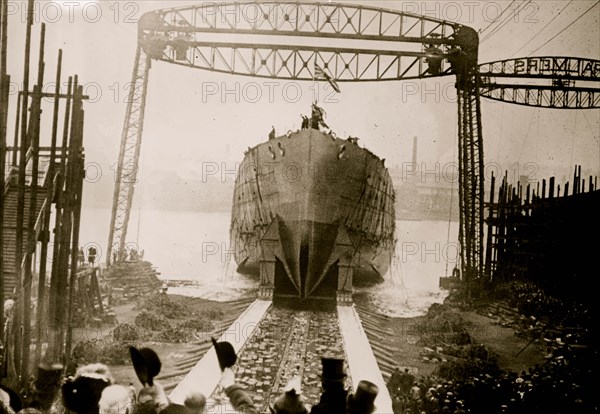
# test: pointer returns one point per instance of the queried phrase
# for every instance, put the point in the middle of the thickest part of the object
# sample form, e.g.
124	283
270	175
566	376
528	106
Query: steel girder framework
179	36
557	88
405	46
471	174
296	19
129	155
297	63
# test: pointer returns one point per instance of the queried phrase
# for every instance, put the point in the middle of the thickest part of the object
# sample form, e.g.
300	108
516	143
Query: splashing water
195	246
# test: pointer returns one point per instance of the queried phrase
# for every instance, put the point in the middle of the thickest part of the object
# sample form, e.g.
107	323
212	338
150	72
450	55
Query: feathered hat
82	393
291	401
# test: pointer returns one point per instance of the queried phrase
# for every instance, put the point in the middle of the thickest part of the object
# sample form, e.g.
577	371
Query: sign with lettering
557	66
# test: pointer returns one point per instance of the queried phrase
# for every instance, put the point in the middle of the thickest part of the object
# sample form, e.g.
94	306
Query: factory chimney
414	155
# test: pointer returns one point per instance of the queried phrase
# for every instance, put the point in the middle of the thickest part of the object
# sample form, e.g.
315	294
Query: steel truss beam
129	154
543	96
179	36
297	63
557	78
319	20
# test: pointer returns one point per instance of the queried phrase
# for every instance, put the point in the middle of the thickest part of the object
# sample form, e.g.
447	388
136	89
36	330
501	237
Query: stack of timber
128	280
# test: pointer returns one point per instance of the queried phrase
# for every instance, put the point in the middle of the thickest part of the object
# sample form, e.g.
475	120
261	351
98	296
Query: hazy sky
184	128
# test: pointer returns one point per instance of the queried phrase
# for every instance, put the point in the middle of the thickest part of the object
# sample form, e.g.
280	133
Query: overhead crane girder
179	36
562	82
320	20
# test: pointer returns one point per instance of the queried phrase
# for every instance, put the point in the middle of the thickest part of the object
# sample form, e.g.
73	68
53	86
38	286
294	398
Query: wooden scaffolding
538	234
42	177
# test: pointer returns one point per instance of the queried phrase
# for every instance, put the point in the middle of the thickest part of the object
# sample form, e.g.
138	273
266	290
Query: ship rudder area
304	263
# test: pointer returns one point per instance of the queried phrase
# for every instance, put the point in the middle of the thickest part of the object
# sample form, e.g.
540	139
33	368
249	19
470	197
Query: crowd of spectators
532	300
564	384
556	387
93	390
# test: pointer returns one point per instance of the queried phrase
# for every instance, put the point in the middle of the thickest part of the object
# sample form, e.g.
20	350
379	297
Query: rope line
563	30
506	21
543	28
496	19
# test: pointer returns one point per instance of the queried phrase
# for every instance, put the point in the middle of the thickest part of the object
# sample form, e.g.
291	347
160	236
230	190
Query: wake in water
230	285
422	251
407	291
398	299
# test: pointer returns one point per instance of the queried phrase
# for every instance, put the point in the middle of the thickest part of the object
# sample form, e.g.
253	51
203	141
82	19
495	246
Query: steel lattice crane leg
129	155
471	177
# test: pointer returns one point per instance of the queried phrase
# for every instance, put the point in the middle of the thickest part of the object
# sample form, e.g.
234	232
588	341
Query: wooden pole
66	231
58	281
15	151
18	316
489	242
3	37
544	189
4	100
34	140
69	234
4	97
77	175
96	288
41	323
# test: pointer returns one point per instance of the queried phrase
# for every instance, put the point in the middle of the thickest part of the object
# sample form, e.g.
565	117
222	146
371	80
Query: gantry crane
405	46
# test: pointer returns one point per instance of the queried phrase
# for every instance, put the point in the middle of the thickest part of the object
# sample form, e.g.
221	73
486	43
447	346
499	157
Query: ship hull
319	210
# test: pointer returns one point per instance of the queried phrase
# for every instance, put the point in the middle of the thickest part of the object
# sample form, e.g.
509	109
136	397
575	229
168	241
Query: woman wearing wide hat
333	381
82	392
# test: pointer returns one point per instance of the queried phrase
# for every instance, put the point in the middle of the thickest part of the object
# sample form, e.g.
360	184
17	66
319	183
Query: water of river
195	246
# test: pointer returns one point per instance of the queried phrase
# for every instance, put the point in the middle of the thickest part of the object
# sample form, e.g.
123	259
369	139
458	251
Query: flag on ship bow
321	74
